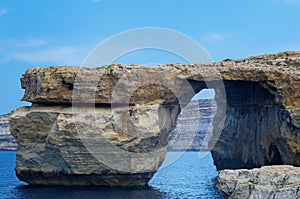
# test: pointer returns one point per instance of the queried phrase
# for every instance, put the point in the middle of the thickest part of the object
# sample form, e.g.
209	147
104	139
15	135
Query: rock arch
58	146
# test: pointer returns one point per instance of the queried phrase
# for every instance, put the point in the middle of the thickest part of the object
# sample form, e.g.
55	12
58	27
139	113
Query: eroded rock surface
274	182
258	129
257	120
60	146
180	138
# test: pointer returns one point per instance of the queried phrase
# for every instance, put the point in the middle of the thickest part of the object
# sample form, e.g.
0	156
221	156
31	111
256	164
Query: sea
183	175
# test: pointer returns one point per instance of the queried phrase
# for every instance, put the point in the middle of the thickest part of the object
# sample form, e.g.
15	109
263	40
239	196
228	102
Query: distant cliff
7	141
194	126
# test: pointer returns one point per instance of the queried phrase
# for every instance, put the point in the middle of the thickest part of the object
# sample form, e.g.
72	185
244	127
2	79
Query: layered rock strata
7	141
179	139
58	146
113	122
267	182
194	126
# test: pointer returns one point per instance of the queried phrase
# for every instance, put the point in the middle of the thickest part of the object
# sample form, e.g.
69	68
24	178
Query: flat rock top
275	170
159	84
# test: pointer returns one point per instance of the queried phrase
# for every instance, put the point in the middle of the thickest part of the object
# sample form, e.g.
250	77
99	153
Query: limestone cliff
179	139
59	147
111	124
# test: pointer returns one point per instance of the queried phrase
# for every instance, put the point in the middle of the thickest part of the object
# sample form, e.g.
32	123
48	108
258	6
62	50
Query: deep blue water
187	177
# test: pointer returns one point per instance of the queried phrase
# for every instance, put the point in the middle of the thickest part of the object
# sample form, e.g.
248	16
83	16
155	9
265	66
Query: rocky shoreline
279	181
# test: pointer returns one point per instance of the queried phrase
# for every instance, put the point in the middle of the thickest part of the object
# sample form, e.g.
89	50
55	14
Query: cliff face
126	113
60	147
7	141
194	126
258	129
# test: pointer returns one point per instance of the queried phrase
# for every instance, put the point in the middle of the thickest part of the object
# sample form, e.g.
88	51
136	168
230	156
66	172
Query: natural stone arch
258	91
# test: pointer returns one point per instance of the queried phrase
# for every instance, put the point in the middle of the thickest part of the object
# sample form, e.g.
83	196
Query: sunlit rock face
60	147
110	125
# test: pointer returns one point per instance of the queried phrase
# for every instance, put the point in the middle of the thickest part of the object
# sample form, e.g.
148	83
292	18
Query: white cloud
63	55
3	11
213	37
38	51
32	43
10	43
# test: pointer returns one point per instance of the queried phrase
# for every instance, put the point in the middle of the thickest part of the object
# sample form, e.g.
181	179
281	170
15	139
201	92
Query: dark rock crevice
254	128
274	155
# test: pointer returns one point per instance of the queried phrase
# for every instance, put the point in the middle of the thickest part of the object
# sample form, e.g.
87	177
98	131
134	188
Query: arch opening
252	124
188	148
194	123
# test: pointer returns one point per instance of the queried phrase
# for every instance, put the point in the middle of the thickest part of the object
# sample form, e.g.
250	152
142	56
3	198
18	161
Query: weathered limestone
258	102
176	141
58	146
261	183
258	130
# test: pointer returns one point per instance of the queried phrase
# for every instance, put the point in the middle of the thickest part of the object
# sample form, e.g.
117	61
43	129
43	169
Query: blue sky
62	32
